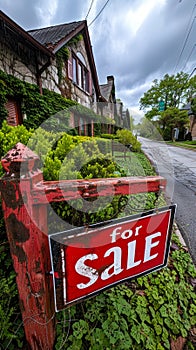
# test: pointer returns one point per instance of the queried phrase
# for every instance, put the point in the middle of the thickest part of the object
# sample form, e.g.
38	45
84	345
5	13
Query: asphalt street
178	166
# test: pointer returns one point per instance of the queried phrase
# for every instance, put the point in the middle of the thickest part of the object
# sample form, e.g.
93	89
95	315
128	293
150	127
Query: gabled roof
187	108
8	27
57	36
48	41
107	89
52	36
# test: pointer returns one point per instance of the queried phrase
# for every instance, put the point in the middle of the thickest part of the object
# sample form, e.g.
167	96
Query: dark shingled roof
187	108
106	90
55	37
14	30
50	36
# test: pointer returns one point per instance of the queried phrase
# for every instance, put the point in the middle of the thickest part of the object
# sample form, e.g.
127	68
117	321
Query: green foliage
149	129
10	319
127	138
75	40
171	118
142	314
11	330
37	107
80	157
10	135
193	143
105	145
171	89
109	136
61	57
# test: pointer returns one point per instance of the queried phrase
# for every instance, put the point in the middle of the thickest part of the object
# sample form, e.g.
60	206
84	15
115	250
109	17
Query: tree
173	118
148	129
173	90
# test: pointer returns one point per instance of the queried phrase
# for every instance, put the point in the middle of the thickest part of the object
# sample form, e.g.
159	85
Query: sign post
29	246
161	106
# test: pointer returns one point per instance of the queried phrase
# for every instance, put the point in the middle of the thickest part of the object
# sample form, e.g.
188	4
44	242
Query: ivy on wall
38	108
62	55
35	106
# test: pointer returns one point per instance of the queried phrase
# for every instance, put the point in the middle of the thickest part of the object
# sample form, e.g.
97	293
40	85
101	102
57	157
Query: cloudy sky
137	41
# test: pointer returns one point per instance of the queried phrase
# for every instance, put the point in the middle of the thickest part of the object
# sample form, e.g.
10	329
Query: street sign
86	261
161	106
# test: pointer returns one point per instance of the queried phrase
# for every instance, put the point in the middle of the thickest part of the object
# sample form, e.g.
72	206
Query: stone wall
11	64
50	79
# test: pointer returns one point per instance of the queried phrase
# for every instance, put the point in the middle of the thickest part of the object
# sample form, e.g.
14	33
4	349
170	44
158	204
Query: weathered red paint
54	191
25	198
29	248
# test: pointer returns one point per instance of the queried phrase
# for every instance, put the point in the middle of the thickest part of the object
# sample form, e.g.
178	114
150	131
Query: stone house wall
50	78
11	64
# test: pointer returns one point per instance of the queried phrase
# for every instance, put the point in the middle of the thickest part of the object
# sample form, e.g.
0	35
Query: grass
184	144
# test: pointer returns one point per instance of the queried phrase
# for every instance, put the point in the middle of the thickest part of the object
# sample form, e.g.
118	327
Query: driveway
178	166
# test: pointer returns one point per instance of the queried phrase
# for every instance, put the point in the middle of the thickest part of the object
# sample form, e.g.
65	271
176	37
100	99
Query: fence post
29	246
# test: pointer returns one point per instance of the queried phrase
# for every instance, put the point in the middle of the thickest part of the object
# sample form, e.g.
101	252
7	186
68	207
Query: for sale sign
86	261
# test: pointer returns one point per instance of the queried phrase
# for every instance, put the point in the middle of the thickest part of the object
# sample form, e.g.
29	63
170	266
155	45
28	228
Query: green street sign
161	106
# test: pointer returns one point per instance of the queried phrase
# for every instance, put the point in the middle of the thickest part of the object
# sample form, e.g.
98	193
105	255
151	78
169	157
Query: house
73	72
192	117
111	107
23	57
58	58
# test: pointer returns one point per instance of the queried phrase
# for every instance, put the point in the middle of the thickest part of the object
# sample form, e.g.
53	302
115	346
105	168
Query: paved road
178	166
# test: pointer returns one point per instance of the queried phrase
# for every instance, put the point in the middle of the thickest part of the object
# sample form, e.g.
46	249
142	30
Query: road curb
178	233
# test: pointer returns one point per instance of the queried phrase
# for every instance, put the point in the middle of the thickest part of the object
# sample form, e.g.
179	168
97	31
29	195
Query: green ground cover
185	144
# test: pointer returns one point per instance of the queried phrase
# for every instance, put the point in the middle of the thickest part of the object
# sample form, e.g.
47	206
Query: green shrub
109	136
10	135
11	329
127	138
105	145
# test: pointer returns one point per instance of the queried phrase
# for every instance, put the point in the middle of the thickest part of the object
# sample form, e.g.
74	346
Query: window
81	75
74	70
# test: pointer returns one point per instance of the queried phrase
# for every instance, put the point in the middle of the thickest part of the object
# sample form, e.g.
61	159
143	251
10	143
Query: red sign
86	261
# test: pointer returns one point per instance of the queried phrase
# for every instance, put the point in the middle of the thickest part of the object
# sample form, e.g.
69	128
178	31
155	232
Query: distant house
192	118
111	107
58	58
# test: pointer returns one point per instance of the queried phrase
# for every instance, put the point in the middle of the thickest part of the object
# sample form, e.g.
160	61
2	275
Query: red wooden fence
24	200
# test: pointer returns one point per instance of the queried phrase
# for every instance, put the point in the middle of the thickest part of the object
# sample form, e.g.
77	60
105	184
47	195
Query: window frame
81	75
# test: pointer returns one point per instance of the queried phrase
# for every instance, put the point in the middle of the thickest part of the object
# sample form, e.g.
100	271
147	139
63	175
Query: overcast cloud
137	41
